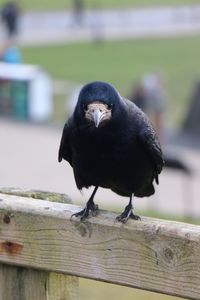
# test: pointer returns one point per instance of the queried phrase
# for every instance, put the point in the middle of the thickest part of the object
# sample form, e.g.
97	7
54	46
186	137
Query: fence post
18	283
61	287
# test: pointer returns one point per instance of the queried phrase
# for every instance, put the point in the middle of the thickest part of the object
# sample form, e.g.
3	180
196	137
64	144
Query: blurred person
155	103
150	96
10	54
155	100
191	124
138	96
10	16
78	8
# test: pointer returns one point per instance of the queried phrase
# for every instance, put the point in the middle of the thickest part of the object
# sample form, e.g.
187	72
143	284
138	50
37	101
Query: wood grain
18	283
151	254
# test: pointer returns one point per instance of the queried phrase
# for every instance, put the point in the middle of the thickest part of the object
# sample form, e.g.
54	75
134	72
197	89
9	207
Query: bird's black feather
65	148
123	154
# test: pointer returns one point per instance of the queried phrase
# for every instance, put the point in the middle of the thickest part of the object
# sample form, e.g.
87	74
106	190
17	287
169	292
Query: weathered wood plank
62	287
18	283
153	254
36	194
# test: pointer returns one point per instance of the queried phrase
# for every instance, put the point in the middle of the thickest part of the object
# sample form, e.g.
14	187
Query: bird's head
97	102
98	113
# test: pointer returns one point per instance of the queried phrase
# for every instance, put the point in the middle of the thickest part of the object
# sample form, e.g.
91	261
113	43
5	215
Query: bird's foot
126	214
91	209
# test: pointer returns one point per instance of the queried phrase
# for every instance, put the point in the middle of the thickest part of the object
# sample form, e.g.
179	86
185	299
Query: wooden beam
36	194
152	254
21	283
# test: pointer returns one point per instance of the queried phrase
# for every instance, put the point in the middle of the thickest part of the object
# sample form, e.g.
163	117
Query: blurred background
148	50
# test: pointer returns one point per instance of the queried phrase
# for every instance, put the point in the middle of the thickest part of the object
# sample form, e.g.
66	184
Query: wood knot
84	229
6	218
10	248
168	254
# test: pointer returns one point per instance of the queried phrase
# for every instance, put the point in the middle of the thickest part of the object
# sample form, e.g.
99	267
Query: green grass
124	62
67	4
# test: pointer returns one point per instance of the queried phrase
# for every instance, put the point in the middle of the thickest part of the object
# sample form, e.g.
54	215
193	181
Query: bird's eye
85	107
110	106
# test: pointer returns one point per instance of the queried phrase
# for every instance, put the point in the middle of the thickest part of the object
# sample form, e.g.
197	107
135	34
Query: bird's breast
109	161
104	153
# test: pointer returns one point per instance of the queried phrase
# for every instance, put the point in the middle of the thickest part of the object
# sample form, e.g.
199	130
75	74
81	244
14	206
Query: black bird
110	142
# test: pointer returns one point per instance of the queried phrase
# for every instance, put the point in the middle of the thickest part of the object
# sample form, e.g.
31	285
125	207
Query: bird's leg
90	209
127	213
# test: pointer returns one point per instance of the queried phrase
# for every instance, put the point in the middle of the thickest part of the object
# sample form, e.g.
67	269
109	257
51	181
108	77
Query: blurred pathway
28	159
59	26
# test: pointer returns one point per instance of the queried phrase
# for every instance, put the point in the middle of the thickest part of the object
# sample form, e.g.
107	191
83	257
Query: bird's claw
127	213
135	217
88	211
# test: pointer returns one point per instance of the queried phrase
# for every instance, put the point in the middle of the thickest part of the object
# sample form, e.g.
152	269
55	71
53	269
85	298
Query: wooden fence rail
40	243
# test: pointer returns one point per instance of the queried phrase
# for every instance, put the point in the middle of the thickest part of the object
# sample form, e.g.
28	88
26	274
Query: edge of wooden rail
151	254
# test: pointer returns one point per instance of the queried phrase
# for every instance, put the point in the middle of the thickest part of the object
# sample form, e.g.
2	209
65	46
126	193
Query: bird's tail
145	192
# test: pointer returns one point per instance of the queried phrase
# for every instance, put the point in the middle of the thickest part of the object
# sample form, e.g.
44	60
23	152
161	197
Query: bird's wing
151	143
65	148
146	134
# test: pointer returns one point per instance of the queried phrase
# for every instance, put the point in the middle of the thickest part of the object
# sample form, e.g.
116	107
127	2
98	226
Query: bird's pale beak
97	116
97	113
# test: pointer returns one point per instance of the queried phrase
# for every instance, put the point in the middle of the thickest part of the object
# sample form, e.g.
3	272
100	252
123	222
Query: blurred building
25	92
